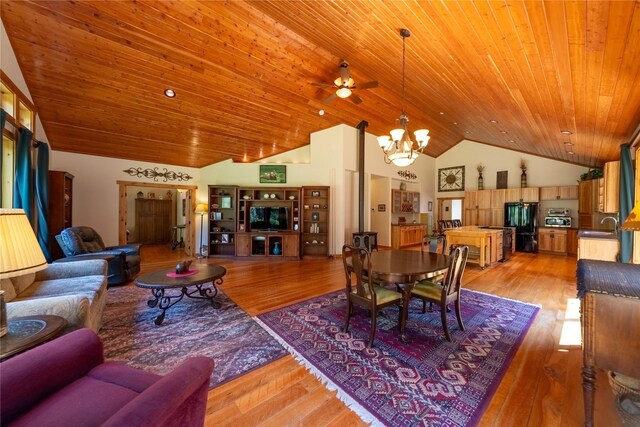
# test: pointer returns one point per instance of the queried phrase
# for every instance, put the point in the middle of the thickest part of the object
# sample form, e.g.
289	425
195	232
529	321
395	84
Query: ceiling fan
344	85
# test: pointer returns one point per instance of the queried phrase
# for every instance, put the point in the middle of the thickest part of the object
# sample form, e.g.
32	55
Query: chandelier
399	149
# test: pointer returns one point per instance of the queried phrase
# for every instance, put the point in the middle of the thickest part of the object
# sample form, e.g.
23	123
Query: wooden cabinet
243	244
552	240
477	206
315	221
598	249
405	201
497	199
290	245
563	192
60	208
407	235
609	188
154	219
528	194
572	241
588	201
222	220
497	217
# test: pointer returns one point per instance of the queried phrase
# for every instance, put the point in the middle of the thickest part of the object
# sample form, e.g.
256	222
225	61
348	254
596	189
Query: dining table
404	268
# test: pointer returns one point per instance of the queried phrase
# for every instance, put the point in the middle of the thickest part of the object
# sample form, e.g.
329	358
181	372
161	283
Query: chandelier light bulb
396	134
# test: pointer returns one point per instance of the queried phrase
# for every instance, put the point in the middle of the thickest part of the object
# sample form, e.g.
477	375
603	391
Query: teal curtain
42	198
626	202
3	119
23	185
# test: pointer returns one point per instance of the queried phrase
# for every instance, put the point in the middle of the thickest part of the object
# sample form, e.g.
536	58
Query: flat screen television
265	218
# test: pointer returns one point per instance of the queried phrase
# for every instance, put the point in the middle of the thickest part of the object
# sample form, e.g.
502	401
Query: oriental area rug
236	342
427	381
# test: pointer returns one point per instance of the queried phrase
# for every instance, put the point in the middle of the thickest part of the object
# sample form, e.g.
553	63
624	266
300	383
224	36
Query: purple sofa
66	382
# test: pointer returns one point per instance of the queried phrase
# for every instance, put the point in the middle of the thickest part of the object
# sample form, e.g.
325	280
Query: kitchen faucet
615	222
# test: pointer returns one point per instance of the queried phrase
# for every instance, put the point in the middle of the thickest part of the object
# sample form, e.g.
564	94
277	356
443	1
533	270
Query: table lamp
20	252
632	223
201	209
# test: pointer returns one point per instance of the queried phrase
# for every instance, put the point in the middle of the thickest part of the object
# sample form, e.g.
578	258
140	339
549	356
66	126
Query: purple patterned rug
236	342
429	381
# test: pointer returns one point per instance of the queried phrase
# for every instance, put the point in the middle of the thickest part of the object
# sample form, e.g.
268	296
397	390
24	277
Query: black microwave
557	221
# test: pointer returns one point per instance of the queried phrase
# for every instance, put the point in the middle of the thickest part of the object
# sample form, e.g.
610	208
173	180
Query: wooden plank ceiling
243	73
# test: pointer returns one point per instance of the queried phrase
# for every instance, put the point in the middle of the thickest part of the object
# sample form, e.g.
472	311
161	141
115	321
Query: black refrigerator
524	217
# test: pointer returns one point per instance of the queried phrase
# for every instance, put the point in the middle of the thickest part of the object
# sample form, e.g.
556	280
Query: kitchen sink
597	234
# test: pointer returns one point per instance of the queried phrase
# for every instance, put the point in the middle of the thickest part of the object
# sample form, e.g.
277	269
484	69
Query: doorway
450	208
189	209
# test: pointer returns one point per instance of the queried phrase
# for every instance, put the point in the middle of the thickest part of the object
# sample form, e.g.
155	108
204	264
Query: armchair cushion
66	382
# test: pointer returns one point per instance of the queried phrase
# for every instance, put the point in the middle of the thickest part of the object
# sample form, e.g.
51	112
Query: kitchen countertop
597	234
407	224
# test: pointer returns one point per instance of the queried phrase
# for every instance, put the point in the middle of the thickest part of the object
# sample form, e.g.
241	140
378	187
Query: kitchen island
485	243
407	234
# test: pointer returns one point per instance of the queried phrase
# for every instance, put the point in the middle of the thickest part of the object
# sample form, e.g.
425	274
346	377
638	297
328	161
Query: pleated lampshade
20	252
633	220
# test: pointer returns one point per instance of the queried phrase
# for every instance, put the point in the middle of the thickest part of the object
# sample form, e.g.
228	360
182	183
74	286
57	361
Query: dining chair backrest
453	279
448	223
457	223
357	262
441	226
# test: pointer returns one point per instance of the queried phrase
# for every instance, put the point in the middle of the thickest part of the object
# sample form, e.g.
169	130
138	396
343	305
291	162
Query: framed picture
273	174
224	238
382	208
315	194
217	216
429	206
225	202
451	179
316	206
501	179
315	216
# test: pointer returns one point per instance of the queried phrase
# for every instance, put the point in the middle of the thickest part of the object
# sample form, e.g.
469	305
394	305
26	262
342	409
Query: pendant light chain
404	39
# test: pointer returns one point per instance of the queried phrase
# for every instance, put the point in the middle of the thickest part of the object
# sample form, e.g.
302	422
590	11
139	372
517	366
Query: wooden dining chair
448	291
365	292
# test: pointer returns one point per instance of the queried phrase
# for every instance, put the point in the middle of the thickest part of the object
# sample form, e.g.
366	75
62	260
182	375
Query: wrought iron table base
201	291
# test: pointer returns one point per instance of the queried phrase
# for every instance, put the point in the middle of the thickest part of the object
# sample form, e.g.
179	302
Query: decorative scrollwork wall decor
407	175
154	173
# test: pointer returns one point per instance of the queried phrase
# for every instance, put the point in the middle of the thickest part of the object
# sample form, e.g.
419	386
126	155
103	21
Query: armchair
83	242
66	382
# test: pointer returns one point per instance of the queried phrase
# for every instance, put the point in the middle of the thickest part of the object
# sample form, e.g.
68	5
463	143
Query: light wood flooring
542	386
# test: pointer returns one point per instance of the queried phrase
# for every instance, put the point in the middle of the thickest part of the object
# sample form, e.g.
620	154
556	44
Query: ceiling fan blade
330	98
355	99
367	85
323	85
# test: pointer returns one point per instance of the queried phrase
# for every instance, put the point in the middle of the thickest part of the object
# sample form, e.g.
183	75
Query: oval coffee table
205	278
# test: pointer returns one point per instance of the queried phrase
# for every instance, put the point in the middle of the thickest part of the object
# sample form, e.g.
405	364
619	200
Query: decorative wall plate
451	179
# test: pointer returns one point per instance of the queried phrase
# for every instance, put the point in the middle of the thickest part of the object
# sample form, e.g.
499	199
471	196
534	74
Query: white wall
541	172
95	191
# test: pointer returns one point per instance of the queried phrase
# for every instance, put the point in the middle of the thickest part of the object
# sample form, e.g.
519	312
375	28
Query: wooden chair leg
458	315
349	310
443	317
372	336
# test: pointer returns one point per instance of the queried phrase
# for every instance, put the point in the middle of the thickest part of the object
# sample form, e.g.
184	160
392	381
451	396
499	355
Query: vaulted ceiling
507	73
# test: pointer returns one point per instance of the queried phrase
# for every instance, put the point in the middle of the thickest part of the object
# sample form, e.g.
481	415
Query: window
20	113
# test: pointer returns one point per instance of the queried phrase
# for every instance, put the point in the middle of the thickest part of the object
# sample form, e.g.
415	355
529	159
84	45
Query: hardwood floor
542	386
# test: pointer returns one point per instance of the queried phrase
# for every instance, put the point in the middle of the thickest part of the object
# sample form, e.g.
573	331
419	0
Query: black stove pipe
361	129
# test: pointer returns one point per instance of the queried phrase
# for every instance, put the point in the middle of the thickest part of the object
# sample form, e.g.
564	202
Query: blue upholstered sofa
85	243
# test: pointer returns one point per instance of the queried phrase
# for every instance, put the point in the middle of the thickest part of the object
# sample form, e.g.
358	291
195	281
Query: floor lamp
201	209
20	252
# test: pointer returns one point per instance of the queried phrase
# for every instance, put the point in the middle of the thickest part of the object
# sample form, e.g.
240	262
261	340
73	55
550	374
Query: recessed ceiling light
568	144
442	113
566	132
493	121
467	131
321	112
454	123
503	131
169	93
511	141
570	152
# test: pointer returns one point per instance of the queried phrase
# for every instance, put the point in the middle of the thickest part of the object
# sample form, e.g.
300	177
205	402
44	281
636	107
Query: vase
276	248
523	179
480	182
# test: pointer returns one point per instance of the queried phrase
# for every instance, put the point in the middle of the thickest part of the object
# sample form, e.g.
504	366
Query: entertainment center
285	222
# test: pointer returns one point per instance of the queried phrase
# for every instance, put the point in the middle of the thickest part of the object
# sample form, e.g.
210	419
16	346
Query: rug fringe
501	297
351	403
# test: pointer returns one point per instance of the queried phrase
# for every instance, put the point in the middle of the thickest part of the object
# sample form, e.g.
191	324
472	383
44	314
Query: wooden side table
26	332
